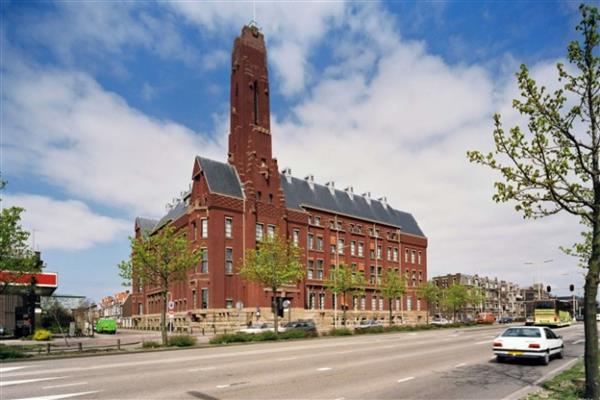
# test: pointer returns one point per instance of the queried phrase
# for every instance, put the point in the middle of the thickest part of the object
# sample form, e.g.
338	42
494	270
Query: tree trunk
390	301
344	308
454	314
590	311
275	310
163	317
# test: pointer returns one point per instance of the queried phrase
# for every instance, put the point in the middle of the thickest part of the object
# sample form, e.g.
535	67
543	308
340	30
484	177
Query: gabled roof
299	194
177	211
221	178
146	225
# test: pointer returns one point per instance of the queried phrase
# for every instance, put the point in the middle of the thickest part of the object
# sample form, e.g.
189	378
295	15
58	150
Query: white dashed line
201	369
579	341
222	386
65	385
59	396
460	365
410	378
287	359
22	381
484	341
8	369
324	369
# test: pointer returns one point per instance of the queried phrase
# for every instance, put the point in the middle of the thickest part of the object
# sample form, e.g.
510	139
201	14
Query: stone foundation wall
217	321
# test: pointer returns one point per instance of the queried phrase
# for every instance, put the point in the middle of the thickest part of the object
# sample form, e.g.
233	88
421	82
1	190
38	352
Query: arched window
255	88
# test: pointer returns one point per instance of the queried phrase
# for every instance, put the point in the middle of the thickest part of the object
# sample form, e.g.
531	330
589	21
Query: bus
552	313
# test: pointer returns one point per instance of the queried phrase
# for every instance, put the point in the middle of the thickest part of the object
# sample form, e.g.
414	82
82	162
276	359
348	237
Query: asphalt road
447	364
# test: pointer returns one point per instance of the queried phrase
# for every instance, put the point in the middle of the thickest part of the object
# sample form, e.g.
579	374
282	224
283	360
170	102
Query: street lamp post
537	273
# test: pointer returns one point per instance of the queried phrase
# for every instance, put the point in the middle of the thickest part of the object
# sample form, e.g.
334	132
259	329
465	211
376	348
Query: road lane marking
460	365
7	369
484	341
222	386
201	369
324	369
65	385
412	334
579	341
59	396
410	378
22	381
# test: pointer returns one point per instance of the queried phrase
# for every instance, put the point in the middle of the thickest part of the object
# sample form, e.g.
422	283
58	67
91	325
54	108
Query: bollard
118	344
47	348
80	346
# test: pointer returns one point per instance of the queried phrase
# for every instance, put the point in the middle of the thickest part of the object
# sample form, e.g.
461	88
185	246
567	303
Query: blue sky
104	106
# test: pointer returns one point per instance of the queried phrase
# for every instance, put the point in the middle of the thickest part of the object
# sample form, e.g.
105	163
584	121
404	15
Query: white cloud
65	225
92	143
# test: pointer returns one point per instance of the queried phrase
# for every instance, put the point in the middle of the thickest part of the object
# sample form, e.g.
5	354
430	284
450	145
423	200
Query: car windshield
522	332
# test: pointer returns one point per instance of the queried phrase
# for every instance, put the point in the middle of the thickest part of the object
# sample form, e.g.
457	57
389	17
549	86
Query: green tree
16	257
158	260
429	292
456	297
393	287
275	263
553	166
343	281
476	297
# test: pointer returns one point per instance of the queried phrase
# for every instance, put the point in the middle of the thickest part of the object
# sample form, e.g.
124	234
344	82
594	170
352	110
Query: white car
528	342
259	328
439	321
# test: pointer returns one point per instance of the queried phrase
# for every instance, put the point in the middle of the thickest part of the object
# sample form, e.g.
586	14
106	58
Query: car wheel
546	359
560	354
500	359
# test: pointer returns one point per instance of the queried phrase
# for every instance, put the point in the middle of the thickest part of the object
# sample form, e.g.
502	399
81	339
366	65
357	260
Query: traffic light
571	287
548	289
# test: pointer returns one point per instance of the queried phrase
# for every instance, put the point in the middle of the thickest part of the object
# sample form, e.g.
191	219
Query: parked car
106	325
485	318
528	342
2	332
439	321
579	317
367	323
259	328
505	320
307	325
597	317
529	321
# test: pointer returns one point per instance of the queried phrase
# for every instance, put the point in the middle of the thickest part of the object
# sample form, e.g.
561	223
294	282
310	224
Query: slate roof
221	177
299	194
146	224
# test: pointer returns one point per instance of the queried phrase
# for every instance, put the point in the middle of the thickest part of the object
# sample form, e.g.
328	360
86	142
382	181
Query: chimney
383	201
287	172
350	191
311	180
331	186
367	196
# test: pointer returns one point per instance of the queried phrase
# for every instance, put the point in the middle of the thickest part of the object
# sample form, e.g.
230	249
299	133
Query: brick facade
264	202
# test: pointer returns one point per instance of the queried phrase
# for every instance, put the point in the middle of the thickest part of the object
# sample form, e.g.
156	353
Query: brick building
232	204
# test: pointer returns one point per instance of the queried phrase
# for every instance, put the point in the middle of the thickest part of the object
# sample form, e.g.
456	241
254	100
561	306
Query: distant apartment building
117	307
501	298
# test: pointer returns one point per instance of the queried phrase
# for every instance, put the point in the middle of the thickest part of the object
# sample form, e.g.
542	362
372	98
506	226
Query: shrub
182	341
42	334
297	334
340	332
264	336
11	352
150	344
371	329
238	337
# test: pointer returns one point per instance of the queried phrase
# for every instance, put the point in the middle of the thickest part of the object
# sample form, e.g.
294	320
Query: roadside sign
171	305
287	304
239	305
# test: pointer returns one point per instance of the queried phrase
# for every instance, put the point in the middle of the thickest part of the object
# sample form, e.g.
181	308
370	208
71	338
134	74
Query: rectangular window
340	246
379	274
296	237
372	276
418	305
319	243
373	303
317	221
322	301
228	303
379	252
228	227
311	240
194	299
389	254
229	260
405	255
311	301
311	269
419	259
363	303
204	228
320	269
259	232
271	230
395	254
413	257
353	248
372	254
397	304
204	262
361	249
409	303
381	304
204	298
333	249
